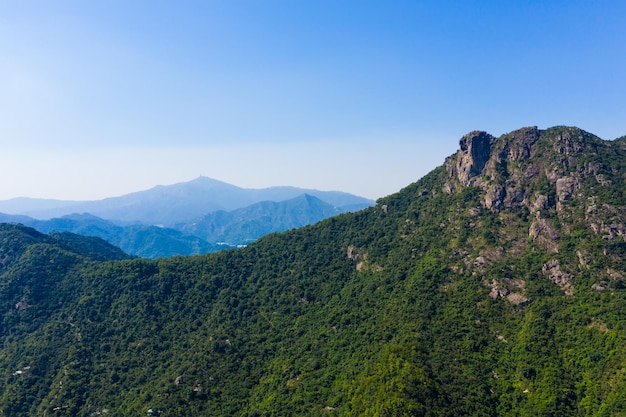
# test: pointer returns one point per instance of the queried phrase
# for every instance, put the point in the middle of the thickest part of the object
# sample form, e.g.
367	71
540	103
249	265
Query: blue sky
104	97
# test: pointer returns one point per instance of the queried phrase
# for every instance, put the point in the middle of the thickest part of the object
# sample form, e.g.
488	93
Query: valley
492	286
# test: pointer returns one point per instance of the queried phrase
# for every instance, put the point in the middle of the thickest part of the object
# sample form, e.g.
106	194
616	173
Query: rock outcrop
484	161
503	167
542	232
552	269
475	152
511	289
554	177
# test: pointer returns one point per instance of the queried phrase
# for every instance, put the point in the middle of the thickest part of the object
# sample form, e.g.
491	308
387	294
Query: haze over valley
195	217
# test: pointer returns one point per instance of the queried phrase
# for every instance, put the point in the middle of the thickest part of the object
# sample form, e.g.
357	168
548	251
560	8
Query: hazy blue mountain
181	203
154	242
26	205
344	201
83	224
247	224
215	231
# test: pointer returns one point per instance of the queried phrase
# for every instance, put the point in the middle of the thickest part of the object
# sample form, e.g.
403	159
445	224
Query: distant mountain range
169	205
195	217
250	223
493	286
138	240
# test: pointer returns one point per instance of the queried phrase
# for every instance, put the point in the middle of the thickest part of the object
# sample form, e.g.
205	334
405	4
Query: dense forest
493	286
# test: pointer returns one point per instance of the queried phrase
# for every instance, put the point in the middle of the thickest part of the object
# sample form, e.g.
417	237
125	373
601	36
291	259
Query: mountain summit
184	202
493	286
505	167
554	171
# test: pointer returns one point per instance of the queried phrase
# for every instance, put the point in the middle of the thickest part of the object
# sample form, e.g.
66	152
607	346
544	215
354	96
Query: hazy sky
103	97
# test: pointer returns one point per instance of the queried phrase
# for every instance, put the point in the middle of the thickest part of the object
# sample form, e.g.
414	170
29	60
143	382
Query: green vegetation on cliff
492	286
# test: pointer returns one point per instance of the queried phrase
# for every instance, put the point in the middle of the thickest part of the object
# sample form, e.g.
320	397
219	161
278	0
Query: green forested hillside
144	241
245	225
492	286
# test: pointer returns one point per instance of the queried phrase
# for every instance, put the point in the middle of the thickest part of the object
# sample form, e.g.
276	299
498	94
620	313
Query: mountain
178	203
19	241
494	285
26	205
154	242
138	240
216	231
245	225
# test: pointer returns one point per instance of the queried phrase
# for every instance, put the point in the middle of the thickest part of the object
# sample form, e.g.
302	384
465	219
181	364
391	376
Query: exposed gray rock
498	290
518	299
474	211
353	253
469	162
607	220
494	197
552	269
514	195
475	152
570	141
511	289
522	145
583	258
542	232
565	188
484	161
540	203
508	169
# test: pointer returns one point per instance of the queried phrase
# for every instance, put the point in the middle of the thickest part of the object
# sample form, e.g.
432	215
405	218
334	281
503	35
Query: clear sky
104	97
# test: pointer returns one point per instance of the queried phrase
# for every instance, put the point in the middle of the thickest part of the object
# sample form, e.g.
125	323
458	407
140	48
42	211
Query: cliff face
510	167
557	177
483	161
470	161
503	295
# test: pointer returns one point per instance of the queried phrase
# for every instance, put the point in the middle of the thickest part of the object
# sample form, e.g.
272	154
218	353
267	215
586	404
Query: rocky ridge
554	177
494	285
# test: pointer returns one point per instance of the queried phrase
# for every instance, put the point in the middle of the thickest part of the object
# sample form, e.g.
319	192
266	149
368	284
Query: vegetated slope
492	286
16	239
245	225
138	240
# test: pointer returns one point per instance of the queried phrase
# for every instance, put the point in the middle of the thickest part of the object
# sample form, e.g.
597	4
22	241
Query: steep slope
31	264
492	286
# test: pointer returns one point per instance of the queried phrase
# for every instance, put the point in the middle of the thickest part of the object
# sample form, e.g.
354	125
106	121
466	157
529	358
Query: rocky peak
470	161
505	167
545	189
569	141
481	154
520	144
